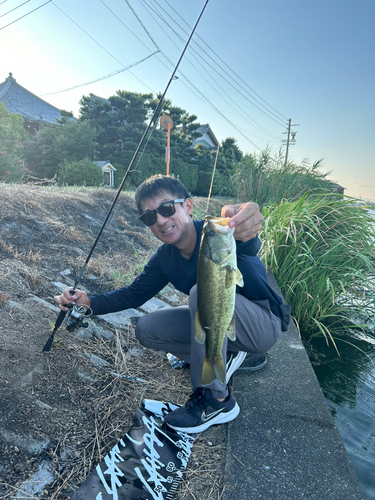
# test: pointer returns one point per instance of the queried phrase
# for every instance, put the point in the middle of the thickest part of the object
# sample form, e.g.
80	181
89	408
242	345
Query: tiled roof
17	99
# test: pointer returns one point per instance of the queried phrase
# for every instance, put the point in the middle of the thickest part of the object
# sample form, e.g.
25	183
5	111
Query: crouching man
165	206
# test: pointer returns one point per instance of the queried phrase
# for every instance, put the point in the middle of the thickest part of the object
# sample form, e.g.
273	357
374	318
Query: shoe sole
256	368
222	418
236	363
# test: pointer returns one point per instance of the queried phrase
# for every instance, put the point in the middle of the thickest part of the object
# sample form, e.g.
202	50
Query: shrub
81	173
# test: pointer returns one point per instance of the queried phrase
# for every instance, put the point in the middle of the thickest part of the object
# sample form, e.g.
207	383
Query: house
336	188
32	108
207	138
108	171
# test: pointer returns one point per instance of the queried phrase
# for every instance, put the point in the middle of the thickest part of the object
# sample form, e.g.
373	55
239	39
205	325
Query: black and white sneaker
234	361
251	362
201	411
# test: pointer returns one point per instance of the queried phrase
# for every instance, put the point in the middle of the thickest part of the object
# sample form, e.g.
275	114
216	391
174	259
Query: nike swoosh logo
210	415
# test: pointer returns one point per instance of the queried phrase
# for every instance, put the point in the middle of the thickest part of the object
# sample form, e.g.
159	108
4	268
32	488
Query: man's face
173	229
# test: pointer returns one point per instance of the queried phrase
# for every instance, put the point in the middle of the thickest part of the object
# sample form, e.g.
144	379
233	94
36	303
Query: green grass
322	252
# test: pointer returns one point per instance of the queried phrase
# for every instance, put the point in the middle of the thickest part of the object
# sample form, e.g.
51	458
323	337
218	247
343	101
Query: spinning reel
75	317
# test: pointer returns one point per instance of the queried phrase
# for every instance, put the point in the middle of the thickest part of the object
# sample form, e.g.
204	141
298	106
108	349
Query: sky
250	67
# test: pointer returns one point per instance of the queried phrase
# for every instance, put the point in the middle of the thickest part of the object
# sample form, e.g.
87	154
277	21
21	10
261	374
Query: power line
140	22
230	69
122	22
15	8
104	77
40	6
211	105
93	39
205	99
231	85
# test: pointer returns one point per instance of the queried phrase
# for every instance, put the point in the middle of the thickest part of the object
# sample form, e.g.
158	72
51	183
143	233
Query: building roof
17	99
102	164
206	132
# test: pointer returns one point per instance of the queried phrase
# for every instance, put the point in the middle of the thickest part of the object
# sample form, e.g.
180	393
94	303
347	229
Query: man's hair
157	185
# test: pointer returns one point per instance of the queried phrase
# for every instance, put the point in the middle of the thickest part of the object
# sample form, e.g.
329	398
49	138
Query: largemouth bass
216	289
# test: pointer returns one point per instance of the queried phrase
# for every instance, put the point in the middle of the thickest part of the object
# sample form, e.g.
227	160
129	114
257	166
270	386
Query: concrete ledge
284	444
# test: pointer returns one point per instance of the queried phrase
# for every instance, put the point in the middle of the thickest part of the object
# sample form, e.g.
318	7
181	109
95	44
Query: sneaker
235	360
201	411
253	363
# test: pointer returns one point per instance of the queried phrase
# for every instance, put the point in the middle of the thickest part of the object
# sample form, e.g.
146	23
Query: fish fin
213	371
208	372
239	278
231	331
229	277
199	333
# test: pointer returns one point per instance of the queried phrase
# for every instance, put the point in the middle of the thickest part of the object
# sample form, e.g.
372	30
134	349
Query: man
166	207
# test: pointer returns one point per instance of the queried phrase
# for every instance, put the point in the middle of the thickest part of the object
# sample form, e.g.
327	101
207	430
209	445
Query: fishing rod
76	312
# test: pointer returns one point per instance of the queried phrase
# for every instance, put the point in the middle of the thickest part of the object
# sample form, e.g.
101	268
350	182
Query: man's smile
167	229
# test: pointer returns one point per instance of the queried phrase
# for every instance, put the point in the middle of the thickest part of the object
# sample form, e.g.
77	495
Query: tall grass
266	179
322	252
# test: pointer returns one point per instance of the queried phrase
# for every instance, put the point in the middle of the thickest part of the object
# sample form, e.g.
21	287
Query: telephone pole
290	140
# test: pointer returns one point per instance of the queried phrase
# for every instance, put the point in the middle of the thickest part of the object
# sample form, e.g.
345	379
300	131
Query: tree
12	133
81	173
119	121
53	144
230	149
76	141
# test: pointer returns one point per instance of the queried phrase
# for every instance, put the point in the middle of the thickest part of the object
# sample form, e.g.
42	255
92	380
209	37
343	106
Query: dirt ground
61	408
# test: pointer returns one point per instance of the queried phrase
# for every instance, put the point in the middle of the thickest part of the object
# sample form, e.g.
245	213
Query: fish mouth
218	225
221	221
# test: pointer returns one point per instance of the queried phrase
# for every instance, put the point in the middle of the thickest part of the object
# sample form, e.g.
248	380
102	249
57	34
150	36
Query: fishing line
62	314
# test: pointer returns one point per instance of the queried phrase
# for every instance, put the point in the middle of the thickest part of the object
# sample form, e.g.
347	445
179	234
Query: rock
121	319
66	272
37	482
44	303
153	305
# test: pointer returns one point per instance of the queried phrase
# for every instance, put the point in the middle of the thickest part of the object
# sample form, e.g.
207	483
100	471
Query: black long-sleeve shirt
168	266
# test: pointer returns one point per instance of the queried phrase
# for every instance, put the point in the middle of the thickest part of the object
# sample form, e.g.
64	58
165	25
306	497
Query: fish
216	289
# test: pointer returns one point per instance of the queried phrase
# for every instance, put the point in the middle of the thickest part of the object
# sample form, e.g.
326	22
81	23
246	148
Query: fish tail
213	370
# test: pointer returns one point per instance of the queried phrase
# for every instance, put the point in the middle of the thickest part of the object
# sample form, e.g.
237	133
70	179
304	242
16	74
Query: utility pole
289	141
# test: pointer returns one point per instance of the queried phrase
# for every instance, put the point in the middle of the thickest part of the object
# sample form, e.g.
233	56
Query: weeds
265	179
32	276
322	252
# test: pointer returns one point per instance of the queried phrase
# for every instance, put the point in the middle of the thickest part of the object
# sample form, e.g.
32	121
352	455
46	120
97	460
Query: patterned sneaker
201	411
253	362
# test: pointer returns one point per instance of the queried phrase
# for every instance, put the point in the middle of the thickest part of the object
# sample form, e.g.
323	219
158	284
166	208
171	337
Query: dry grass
55	219
114	405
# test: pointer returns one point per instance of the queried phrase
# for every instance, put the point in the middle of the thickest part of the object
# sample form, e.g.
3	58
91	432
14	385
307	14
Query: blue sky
311	61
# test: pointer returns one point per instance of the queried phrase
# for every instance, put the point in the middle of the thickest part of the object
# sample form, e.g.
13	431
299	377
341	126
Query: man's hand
65	298
245	218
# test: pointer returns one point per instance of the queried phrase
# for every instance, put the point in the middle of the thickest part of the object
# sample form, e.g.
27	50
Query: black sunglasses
164	209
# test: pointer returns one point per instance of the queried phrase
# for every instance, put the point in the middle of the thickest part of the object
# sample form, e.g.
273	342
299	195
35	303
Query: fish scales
216	289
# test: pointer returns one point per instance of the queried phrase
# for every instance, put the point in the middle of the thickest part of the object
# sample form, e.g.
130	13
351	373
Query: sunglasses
166	209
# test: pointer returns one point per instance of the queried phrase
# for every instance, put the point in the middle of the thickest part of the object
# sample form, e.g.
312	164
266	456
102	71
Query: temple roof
17	99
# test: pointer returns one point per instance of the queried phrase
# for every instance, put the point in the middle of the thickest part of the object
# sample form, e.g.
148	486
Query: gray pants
172	330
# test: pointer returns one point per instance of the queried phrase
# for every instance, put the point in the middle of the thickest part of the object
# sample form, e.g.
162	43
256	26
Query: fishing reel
75	317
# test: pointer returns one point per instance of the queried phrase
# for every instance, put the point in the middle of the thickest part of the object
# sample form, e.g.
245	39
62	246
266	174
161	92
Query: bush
148	165
321	250
186	172
81	173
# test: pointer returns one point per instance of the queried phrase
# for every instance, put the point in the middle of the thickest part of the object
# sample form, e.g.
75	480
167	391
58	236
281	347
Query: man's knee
142	330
